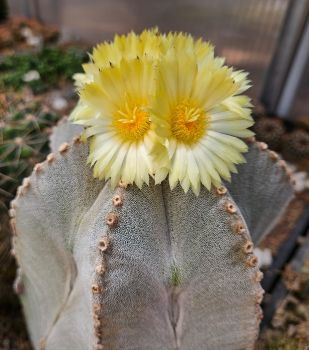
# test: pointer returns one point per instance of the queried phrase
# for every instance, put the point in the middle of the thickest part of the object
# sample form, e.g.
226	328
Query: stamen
188	123
133	122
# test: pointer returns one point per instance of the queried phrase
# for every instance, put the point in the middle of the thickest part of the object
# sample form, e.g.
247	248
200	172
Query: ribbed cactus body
153	269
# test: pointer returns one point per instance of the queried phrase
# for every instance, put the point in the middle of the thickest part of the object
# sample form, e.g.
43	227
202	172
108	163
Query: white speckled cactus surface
126	238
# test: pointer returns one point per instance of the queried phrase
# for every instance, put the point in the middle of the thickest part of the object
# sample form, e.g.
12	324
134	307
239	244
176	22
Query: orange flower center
131	122
188	123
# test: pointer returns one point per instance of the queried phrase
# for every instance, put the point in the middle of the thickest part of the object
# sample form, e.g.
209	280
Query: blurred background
264	37
44	42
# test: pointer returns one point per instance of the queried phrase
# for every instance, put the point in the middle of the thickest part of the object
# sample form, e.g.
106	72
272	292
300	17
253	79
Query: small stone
34	40
59	103
31	75
19	141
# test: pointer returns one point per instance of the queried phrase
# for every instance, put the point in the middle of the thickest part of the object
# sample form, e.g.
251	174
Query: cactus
111	260
296	146
143	269
270	131
23	142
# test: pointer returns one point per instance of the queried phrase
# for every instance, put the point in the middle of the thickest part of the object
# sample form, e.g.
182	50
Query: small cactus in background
270	130
296	146
110	259
23	142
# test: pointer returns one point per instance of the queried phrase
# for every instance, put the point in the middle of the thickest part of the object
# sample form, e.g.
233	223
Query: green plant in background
132	240
41	70
23	142
282	343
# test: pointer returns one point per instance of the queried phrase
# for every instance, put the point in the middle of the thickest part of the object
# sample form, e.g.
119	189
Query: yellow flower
148	44
200	114
182	42
114	107
162	105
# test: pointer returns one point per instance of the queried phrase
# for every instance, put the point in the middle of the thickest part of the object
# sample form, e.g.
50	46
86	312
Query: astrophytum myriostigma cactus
108	264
